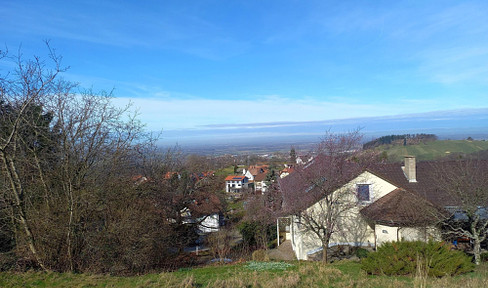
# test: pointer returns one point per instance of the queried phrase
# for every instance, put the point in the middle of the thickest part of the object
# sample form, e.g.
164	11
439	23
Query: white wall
390	233
210	224
422	234
238	184
386	234
351	229
248	174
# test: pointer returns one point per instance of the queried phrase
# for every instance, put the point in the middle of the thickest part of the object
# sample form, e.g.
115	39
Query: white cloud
449	43
454	65
198	113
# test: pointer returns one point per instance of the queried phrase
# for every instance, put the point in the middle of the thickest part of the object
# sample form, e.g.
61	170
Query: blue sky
196	65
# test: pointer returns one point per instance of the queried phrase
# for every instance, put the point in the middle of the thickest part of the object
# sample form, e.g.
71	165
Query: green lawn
300	274
433	150
225	171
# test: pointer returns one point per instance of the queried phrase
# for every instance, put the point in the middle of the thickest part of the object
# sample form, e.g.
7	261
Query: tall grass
301	274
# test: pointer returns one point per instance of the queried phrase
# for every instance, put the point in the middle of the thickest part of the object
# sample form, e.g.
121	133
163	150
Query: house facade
211	223
260	185
286	171
386	203
255	170
235	184
257	176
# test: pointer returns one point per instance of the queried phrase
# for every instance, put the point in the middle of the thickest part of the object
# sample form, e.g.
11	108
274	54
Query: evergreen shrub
361	253
484	257
273	244
405	257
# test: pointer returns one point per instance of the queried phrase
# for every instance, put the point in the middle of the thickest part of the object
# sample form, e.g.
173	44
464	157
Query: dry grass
302	274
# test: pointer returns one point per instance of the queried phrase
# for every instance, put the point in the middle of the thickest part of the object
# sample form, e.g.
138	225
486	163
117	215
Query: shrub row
407	258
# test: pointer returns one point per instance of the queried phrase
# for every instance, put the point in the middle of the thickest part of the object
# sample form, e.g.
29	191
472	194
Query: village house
257	176
260	185
303	159
286	171
205	224
391	202
255	170
235	184
206	215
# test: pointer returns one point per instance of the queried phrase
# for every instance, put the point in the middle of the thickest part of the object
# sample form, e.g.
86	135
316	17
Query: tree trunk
18	193
30	240
43	181
324	253
477	251
476	240
70	227
325	246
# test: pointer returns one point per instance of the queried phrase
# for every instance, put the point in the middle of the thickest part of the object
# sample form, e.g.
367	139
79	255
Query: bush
273	244
362	253
7	261
403	258
257	234
484	257
260	255
248	232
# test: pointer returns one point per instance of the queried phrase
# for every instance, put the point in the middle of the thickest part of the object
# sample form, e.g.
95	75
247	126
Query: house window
363	191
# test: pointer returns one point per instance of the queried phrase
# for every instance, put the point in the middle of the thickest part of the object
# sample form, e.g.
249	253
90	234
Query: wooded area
69	197
405	139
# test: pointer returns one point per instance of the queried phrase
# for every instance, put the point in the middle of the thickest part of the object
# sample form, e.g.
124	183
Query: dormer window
364	192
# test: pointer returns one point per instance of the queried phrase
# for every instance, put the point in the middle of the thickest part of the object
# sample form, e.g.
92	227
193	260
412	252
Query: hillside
433	149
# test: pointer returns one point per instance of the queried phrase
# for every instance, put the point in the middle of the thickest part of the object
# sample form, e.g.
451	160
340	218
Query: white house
286	171
255	170
210	223
390	202
303	159
260	182
204	224
257	175
235	184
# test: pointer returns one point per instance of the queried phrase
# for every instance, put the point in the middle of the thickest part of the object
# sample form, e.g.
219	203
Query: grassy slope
303	274
433	150
225	171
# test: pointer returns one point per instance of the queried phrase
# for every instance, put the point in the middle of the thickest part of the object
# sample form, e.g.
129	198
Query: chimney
409	169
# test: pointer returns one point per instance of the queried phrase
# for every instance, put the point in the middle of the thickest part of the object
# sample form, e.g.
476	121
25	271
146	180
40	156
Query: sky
191	66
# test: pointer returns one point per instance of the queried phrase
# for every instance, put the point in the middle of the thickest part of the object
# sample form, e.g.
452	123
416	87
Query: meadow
433	150
248	274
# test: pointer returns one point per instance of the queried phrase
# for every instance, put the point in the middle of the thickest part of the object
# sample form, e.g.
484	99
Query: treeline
405	139
82	185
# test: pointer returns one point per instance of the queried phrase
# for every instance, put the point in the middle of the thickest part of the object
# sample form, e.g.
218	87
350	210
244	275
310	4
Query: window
364	192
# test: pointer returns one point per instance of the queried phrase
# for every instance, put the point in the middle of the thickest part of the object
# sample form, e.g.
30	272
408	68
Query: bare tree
26	87
94	142
198	163
313	192
220	243
465	184
259	221
58	148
